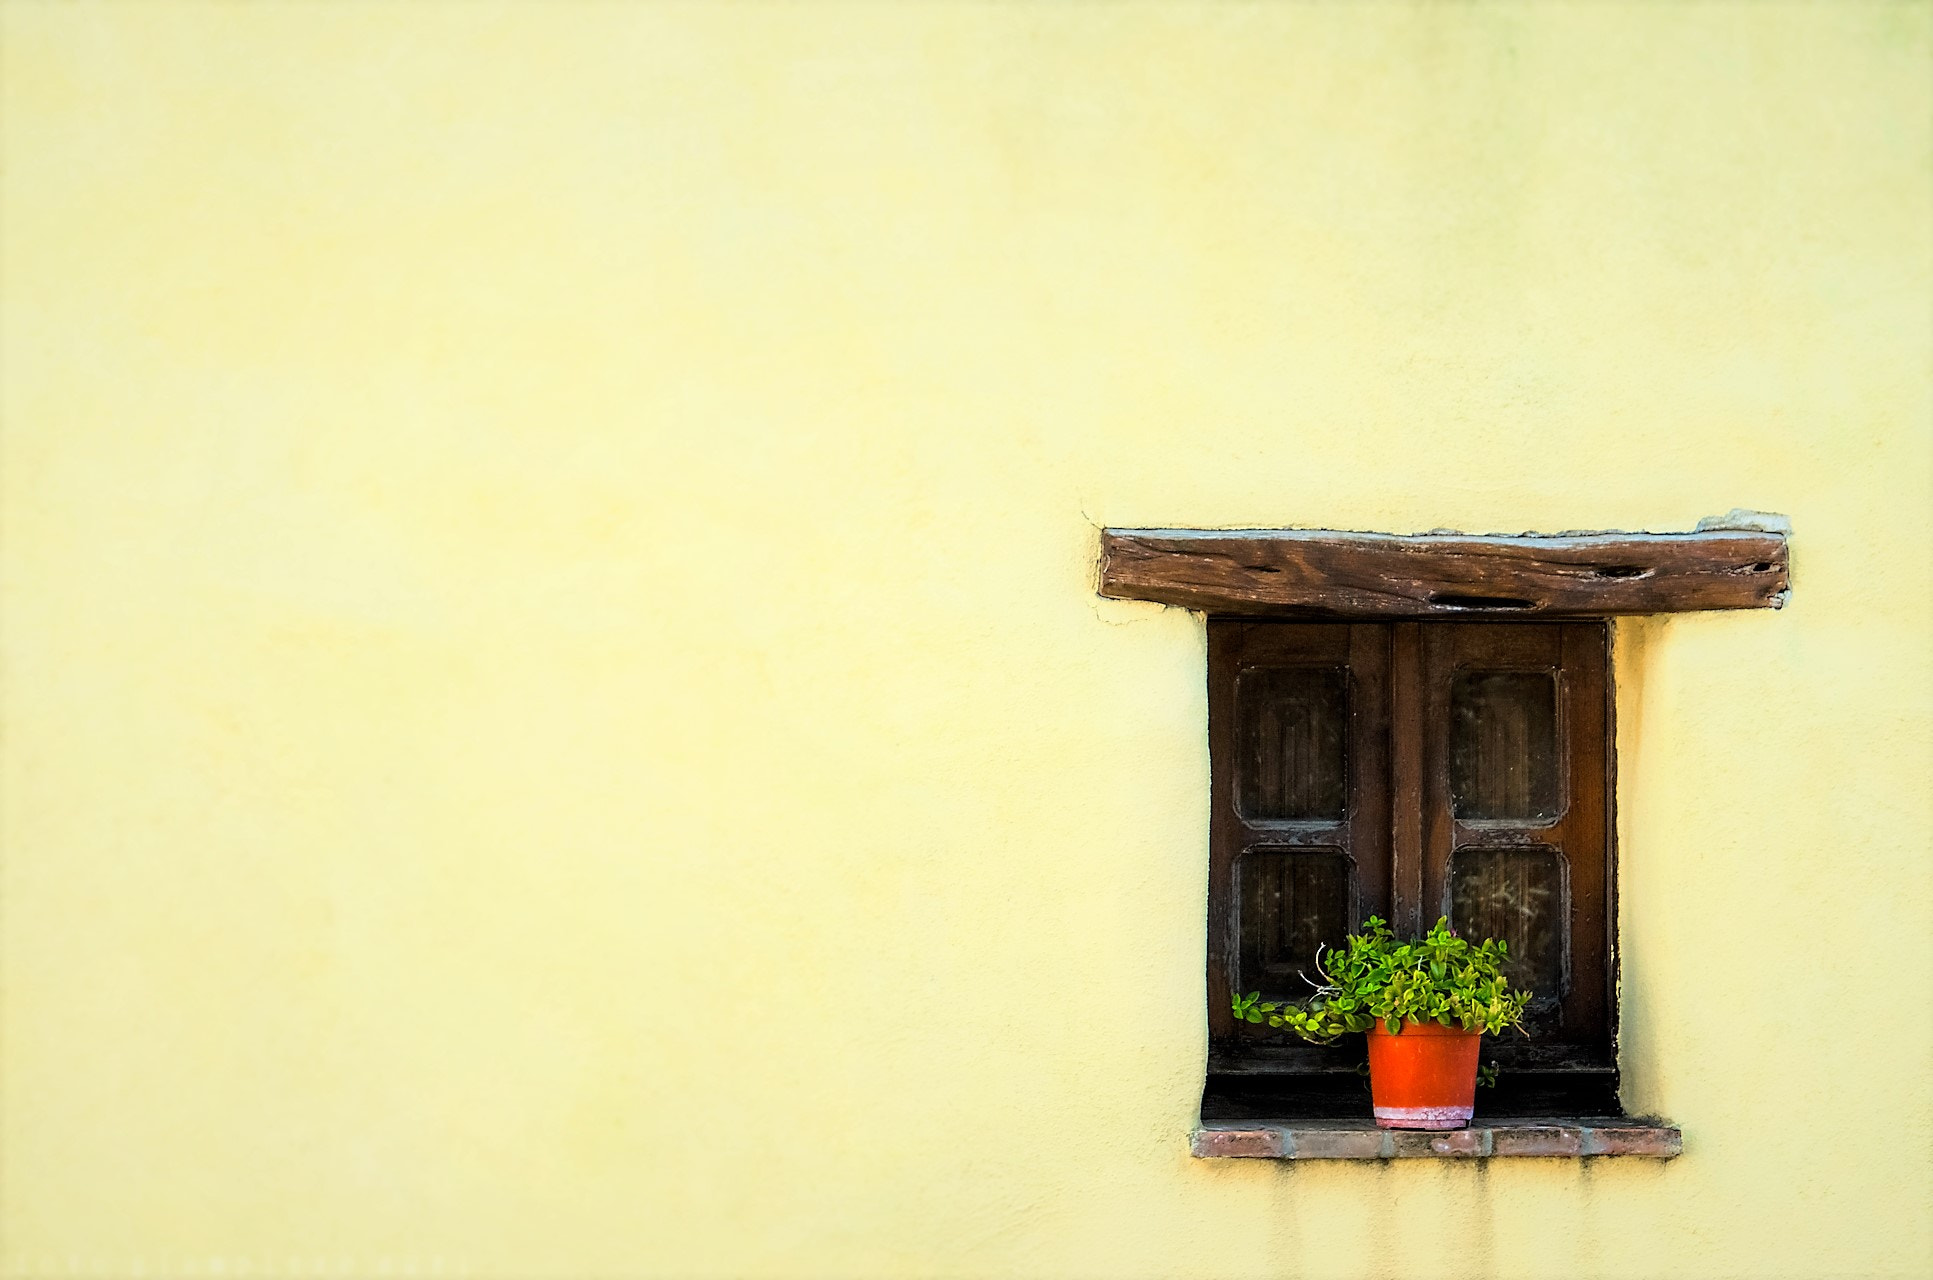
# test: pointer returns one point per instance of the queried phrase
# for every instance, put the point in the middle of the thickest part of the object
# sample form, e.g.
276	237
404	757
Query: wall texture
556	718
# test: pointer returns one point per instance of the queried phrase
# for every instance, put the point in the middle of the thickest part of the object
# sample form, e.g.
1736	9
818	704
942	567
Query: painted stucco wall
556	720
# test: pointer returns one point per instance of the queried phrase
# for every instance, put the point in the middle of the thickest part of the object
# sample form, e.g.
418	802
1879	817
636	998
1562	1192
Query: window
1415	726
1409	770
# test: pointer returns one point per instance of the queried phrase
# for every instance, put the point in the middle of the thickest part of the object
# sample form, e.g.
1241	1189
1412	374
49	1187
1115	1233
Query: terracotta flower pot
1425	1077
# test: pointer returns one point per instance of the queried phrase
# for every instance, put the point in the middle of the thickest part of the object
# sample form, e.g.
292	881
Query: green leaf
1375	976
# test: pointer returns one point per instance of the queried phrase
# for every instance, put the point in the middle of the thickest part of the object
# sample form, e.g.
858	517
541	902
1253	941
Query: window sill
1361	1140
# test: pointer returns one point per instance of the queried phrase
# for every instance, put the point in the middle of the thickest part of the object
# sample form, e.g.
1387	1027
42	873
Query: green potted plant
1425	1003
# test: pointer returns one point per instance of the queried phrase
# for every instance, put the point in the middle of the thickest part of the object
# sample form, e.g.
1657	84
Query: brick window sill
1361	1140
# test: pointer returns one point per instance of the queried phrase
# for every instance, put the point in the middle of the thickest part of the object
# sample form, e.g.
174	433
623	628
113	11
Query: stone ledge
1503	1139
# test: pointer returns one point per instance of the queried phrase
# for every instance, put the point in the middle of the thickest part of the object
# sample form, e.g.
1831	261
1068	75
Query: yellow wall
556	718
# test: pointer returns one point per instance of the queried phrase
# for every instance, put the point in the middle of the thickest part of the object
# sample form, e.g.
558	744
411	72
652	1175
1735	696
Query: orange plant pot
1424	1077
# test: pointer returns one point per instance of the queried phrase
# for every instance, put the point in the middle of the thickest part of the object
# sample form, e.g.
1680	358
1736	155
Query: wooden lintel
1305	572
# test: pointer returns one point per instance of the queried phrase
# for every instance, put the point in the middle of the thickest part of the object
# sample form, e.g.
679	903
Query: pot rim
1430	1028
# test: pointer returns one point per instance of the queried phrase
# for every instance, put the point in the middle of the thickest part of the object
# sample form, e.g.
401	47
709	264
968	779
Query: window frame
1739	560
1401	833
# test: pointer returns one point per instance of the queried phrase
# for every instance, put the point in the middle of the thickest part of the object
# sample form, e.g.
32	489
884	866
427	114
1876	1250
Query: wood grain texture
1574	1029
1316	573
1358	832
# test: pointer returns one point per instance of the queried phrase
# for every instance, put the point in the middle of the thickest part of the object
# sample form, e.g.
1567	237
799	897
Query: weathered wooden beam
1303	572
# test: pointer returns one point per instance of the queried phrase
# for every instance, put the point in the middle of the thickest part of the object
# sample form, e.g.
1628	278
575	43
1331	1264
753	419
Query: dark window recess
1410	770
1503	744
1293	903
1290	726
1517	895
